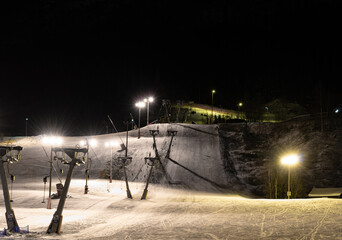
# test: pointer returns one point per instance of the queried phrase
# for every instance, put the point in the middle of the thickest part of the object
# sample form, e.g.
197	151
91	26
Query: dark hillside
252	152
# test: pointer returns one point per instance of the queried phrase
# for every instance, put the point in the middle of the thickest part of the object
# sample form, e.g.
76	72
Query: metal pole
144	195
26	126
288	184
129	195
50	182
139	125
12	224
212	107
87	171
111	165
148	106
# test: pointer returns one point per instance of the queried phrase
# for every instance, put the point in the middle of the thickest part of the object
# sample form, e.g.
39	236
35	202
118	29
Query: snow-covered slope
234	157
194	159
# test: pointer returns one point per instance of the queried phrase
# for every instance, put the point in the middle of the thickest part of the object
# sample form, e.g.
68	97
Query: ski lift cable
219	186
60	180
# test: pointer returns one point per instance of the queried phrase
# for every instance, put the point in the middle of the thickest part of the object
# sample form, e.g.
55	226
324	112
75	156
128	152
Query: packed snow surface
170	213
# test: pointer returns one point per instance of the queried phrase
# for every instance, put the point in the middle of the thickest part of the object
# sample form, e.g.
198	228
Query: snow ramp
192	160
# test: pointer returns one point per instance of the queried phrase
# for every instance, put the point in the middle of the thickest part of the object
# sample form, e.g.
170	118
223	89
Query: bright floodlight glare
92	142
213	91
140	104
150	99
52	140
290	159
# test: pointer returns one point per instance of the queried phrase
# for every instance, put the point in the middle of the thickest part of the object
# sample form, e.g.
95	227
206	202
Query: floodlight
291	159
92	142
52	140
140	104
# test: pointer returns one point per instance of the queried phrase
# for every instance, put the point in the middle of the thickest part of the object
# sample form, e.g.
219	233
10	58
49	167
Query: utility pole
26	120
212	106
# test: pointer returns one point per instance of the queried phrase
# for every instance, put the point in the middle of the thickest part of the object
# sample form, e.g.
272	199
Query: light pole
26	119
111	145
139	105
289	160
148	100
240	104
212	104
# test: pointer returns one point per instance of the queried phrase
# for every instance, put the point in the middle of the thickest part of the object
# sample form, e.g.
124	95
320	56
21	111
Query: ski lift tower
151	161
77	156
125	161
12	154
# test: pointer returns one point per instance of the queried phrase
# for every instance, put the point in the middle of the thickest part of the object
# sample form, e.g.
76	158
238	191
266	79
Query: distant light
112	144
337	110
140	104
91	142
240	104
213	91
150	99
26	119
291	159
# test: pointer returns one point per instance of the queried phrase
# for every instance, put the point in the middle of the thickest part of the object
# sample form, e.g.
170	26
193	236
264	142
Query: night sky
67	64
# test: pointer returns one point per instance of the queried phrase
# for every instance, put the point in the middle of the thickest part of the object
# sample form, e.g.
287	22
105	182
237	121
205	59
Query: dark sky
67	64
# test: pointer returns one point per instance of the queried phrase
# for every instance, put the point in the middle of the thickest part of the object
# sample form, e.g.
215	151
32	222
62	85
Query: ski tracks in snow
312	234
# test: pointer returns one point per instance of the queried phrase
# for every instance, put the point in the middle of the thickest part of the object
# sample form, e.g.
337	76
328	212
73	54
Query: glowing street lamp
26	120
240	104
289	160
212	104
148	100
139	105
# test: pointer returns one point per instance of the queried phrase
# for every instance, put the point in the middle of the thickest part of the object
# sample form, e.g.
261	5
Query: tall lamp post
111	144
139	105
212	105
147	101
289	160
240	104
26	119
